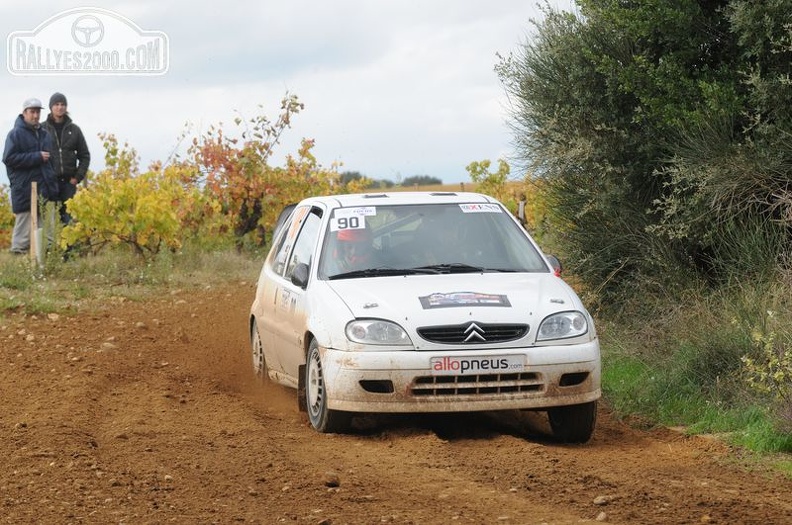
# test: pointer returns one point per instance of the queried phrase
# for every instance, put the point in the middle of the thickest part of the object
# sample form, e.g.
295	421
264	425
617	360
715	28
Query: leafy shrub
234	171
768	369
121	207
6	217
225	194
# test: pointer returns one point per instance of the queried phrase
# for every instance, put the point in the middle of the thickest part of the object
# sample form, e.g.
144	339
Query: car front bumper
403	381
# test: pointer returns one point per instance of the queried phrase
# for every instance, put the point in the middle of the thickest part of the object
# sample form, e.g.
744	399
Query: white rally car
421	302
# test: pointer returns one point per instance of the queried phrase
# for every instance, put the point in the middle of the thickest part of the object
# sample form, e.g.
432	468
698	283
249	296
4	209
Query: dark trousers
66	191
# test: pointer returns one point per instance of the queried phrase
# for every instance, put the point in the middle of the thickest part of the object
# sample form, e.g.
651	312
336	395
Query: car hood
451	299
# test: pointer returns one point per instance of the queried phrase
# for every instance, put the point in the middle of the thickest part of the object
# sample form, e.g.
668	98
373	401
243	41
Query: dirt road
149	413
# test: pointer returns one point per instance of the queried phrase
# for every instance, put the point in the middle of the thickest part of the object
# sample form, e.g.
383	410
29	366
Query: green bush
6	218
714	362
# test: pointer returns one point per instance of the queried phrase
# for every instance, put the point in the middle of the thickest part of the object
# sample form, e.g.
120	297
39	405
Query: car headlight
562	326
376	332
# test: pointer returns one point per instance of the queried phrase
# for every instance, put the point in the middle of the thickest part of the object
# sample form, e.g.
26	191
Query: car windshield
425	239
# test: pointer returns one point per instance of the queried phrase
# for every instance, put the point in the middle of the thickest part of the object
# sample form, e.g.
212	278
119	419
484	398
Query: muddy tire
322	418
574	423
257	347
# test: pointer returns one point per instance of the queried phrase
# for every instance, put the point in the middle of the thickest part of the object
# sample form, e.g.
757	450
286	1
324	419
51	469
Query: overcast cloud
392	88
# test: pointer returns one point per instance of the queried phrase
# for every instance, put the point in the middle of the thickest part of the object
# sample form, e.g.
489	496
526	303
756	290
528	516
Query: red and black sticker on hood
453	299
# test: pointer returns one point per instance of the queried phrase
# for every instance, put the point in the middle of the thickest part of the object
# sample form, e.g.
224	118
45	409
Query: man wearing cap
27	158
70	157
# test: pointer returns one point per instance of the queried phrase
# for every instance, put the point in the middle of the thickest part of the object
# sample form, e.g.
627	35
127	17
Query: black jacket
70	156
22	157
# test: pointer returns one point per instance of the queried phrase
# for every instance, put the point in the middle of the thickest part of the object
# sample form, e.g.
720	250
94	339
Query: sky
391	88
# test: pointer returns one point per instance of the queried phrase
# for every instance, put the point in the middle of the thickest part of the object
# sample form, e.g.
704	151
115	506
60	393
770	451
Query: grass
784	466
646	395
85	283
682	366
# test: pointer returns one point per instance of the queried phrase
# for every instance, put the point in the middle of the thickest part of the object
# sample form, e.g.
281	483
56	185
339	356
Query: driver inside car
353	250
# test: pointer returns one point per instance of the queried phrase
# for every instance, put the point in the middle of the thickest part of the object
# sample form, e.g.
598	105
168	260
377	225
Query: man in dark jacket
26	155
71	157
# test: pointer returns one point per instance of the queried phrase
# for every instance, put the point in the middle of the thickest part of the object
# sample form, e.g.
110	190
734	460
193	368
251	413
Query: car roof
398	198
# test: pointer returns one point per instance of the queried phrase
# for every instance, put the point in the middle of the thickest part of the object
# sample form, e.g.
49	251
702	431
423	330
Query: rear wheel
322	418
574	423
257	346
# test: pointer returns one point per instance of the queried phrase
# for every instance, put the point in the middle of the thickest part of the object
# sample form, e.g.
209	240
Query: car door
270	307
290	299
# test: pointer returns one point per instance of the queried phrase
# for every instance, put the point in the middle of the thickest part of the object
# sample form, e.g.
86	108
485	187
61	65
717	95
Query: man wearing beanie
70	156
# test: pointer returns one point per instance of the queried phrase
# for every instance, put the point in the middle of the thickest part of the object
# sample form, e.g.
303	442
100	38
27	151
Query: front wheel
574	423
322	418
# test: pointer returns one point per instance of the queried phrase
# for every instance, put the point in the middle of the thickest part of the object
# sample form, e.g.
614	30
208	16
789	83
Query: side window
306	243
287	239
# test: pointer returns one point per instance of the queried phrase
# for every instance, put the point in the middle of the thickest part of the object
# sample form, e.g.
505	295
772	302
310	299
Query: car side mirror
299	276
555	264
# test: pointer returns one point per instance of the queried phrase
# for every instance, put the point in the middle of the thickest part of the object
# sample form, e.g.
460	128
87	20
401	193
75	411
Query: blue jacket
22	157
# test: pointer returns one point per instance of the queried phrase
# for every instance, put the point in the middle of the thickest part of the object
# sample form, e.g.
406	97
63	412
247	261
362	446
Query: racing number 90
345	223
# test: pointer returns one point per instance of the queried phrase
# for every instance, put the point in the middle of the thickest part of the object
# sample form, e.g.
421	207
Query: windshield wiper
432	269
382	272
465	268
456	268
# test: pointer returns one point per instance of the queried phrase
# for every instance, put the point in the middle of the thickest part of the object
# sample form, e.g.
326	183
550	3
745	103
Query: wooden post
33	221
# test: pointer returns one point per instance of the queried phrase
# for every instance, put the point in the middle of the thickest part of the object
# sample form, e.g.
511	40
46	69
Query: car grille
482	384
473	333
